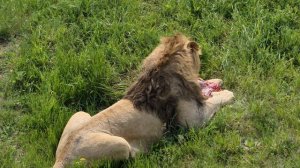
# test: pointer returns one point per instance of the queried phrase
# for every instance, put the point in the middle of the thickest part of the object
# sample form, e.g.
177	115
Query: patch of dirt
4	47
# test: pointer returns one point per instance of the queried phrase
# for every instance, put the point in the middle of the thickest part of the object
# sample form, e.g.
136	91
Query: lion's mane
166	78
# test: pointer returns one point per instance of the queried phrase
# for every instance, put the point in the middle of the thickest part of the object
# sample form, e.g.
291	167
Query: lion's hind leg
76	121
103	146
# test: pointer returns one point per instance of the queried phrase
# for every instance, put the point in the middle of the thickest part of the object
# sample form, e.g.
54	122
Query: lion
166	92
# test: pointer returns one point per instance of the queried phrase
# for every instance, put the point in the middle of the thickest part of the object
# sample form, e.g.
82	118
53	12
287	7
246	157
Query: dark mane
152	93
159	89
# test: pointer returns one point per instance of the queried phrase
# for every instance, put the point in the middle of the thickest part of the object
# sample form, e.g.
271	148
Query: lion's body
166	92
97	136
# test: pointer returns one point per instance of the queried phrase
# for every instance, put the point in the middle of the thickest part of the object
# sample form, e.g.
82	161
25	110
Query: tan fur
166	91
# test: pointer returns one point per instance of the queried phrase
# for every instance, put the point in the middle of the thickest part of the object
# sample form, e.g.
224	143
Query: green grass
83	54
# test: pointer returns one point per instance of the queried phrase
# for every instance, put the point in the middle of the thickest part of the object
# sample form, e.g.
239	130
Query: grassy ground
80	55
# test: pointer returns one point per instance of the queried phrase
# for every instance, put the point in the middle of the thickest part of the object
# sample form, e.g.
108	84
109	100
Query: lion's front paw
224	96
217	81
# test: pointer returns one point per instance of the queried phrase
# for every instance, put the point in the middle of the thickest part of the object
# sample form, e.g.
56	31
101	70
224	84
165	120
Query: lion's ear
193	45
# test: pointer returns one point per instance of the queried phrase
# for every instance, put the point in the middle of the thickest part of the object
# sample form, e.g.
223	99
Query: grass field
66	56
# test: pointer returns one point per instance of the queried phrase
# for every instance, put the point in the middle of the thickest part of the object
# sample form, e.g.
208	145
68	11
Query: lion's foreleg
190	114
213	104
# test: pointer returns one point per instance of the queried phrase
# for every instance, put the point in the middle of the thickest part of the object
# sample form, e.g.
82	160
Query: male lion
166	92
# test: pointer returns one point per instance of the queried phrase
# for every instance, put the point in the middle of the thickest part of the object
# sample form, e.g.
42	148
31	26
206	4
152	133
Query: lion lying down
166	92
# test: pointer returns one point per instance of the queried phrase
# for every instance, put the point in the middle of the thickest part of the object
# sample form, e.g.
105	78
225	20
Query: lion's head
169	73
